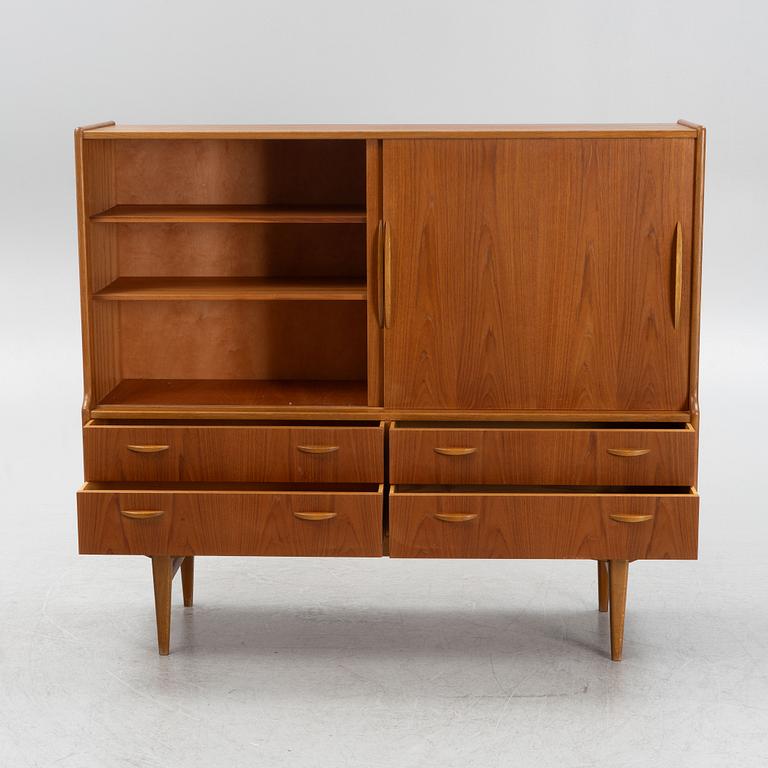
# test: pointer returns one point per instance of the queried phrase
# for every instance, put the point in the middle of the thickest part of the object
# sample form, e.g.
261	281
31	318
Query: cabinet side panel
98	267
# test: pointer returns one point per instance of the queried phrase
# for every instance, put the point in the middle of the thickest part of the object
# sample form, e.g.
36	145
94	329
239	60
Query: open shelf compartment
190	311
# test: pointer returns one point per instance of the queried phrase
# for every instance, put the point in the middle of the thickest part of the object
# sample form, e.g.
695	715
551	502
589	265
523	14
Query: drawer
533	455
264	453
540	524
282	520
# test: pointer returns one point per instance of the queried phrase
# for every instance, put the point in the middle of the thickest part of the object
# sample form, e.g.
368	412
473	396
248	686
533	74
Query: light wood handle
314	515
387	276
317	448
678	272
628	451
454	451
619	518
141	514
380	274
455	517
147	448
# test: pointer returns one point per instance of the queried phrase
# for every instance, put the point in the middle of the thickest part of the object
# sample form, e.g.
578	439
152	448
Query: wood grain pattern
541	280
98	266
269	340
232	214
235	173
531	456
603	584
226	398
200	522
233	289
553	525
311	401
188	580
619	571
373	198
468	131
235	454
162	578
697	234
223	250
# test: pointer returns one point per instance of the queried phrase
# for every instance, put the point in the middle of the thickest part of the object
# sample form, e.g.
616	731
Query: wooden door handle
387	275
628	451
678	271
620	518
317	448
314	515
147	448
454	451
141	514
380	274
454	517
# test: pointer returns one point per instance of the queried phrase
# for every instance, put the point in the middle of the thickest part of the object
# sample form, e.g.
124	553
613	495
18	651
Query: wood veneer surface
536	525
537	274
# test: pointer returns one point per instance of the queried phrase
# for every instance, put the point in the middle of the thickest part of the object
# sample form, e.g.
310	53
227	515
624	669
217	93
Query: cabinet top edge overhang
681	130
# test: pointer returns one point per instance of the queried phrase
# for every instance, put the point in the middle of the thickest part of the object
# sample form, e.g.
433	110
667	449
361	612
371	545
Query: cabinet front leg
188	579
618	572
602	585
162	576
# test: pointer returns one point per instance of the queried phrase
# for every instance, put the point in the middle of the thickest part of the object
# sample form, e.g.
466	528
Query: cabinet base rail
611	586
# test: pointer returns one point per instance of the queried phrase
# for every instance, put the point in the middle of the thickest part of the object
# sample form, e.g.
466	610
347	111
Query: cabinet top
110	130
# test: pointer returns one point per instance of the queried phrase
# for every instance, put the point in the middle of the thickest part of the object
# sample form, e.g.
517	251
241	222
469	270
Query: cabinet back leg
618	572
188	580
162	576
602	585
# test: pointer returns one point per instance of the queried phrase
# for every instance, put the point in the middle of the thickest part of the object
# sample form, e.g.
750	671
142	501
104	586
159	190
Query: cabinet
414	341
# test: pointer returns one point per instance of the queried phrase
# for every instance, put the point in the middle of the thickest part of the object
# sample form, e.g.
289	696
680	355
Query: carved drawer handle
455	517
317	448
141	514
314	515
454	451
147	448
619	518
628	451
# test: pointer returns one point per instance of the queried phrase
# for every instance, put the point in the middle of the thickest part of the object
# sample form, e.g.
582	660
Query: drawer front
543	456
257	454
230	523
598	526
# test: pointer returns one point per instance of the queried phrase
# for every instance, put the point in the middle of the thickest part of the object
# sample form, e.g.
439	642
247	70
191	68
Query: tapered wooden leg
602	585
162	576
188	580
618	571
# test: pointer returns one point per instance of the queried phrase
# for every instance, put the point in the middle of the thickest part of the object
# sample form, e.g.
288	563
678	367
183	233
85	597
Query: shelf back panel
222	250
243	340
232	172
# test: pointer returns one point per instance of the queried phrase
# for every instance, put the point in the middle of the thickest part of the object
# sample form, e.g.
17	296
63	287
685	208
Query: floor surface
298	663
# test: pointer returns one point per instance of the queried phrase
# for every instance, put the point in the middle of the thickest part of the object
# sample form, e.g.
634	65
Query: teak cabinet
414	341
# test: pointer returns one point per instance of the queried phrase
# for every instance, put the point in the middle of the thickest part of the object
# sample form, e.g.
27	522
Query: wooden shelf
236	392
234	214
233	289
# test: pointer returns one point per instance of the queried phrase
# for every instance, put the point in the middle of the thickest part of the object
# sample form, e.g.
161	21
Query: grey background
69	64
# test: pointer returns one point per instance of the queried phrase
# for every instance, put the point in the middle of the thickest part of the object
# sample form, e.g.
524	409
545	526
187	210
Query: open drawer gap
507	490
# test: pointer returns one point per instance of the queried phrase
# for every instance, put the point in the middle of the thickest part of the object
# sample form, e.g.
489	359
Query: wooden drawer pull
619	518
147	448
314	515
454	451
317	448
628	451
141	514
678	272
455	517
